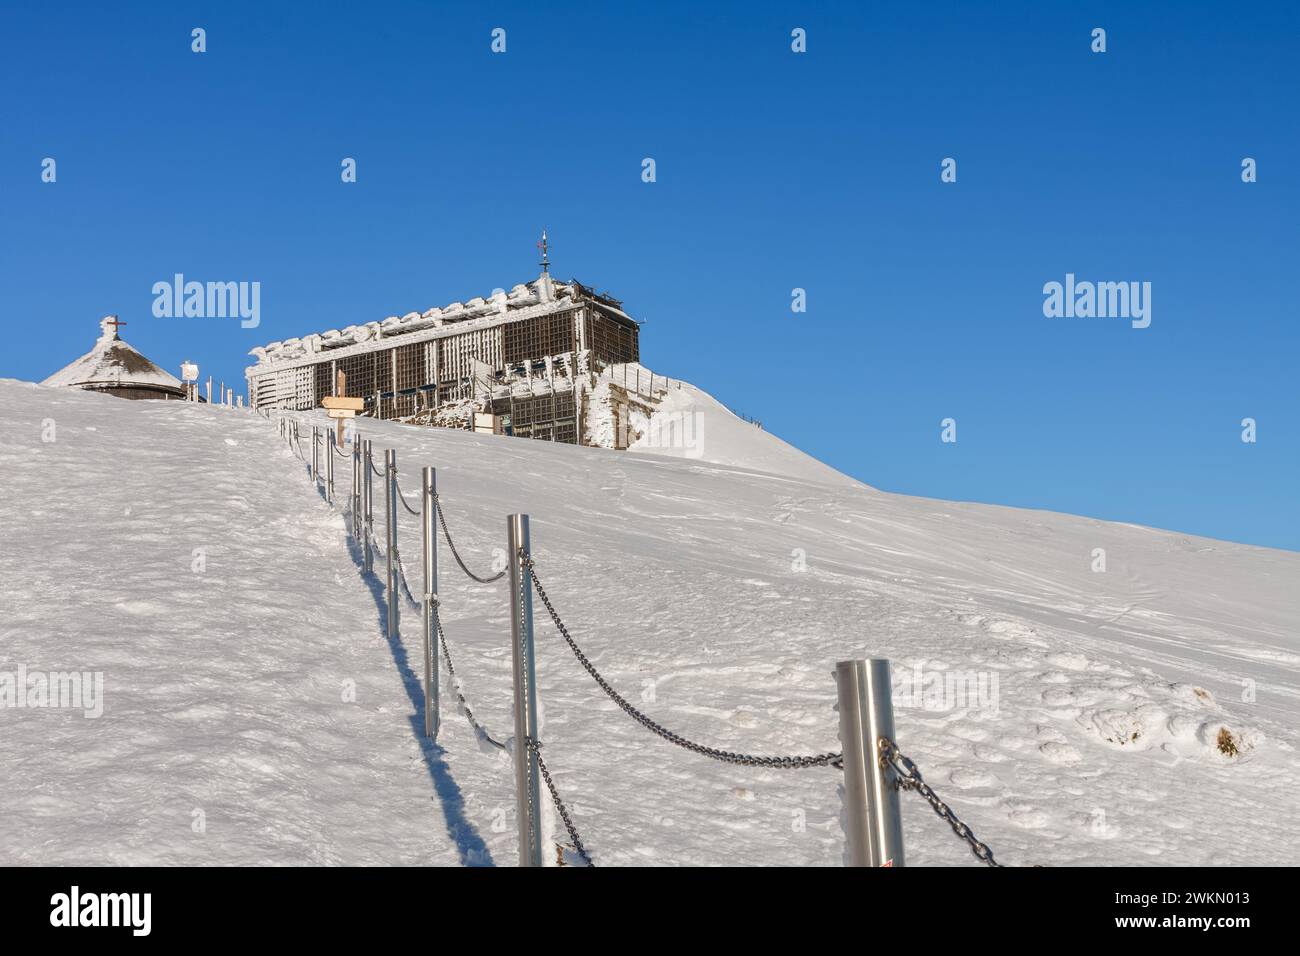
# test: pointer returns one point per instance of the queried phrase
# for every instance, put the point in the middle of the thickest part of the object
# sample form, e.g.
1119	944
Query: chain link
745	760
401	576
456	554
464	704
910	779
536	747
402	498
295	445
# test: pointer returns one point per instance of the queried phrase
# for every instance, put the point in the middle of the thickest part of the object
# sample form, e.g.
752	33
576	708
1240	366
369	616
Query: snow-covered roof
113	364
526	300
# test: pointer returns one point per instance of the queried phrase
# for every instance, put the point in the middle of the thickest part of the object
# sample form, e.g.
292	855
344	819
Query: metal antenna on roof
546	263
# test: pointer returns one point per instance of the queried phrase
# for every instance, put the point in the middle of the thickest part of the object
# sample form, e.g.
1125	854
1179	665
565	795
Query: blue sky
774	171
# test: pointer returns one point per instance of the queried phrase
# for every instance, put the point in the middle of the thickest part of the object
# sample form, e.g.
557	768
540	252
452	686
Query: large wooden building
526	355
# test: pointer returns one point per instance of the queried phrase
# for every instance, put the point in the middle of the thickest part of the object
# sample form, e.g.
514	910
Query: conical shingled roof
114	364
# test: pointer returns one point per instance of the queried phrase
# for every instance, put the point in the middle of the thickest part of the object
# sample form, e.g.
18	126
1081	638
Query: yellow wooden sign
339	402
341	412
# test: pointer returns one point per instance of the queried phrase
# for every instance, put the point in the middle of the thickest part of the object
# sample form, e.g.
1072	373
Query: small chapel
114	368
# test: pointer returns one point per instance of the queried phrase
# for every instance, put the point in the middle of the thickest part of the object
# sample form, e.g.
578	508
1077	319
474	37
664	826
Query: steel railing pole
367	505
527	786
315	457
390	516
329	467
356	485
873	822
429	488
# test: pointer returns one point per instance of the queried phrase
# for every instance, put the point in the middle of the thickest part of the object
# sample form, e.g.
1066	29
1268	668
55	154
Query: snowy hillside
254	713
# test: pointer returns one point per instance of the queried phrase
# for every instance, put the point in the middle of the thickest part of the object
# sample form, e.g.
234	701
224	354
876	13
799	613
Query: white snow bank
716	593
690	423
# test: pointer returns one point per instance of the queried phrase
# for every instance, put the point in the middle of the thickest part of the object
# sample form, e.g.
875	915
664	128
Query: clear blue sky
775	171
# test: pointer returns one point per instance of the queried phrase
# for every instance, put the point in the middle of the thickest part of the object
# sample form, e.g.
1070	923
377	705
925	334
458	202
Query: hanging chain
402	498
375	547
536	747
464	704
746	760
401	575
910	779
456	554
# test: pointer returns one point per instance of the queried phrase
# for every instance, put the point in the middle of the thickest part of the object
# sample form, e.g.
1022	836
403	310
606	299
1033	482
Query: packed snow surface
253	711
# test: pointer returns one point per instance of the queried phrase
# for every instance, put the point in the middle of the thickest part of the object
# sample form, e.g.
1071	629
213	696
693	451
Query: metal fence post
390	513
429	488
329	467
872	820
527	786
356	485
368	505
315	456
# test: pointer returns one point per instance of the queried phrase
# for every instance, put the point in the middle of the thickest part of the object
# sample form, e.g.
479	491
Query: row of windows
535	338
611	341
543	408
412	367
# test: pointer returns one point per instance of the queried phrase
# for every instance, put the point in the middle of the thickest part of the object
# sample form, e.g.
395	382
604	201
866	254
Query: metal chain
456	554
746	760
536	747
402	497
464	704
375	547
378	471
401	575
910	779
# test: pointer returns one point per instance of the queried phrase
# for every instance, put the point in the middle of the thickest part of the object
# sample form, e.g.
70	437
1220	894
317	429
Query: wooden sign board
341	402
341	412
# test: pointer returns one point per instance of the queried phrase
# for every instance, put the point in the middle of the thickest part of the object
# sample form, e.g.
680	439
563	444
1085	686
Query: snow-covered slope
690	423
715	590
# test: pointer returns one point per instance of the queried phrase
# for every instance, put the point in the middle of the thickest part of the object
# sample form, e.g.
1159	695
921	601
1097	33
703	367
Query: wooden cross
115	324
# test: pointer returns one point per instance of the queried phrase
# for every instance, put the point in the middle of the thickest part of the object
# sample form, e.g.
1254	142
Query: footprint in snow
1059	752
971	779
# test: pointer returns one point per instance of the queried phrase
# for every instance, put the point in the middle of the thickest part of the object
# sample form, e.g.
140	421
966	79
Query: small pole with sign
190	376
340	407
